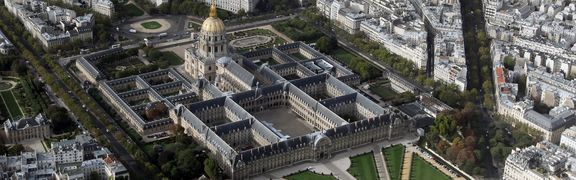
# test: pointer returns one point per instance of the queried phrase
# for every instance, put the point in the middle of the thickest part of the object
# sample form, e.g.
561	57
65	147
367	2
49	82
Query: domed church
200	60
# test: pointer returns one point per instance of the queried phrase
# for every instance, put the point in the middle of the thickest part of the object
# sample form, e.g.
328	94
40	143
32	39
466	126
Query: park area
363	167
383	90
309	175
11	105
22	97
422	170
131	10
151	25
393	156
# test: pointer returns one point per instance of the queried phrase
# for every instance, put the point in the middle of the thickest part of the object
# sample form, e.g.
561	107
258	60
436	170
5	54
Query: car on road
132	31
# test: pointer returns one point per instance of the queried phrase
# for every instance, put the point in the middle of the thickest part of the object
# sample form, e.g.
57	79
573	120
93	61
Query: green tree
94	175
19	67
210	168
326	44
509	62
61	122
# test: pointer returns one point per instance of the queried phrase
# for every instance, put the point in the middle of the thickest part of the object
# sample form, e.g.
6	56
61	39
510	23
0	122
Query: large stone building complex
258	111
245	129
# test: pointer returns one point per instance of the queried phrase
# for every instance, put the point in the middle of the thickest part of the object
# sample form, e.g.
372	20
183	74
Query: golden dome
213	24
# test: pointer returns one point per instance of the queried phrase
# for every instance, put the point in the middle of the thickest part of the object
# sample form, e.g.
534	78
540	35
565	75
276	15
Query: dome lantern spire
213	11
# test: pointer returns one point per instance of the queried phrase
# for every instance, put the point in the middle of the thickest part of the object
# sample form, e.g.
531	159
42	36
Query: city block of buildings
544	28
77	158
543	87
544	160
51	25
104	7
403	27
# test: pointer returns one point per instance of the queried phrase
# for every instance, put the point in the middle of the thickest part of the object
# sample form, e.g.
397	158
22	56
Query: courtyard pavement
285	121
34	144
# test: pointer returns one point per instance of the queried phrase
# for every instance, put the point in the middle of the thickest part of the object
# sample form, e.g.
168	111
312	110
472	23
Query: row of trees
55	72
477	49
299	29
456	136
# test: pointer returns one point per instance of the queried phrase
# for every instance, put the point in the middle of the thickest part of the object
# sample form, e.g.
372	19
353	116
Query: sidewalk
407	165
380	163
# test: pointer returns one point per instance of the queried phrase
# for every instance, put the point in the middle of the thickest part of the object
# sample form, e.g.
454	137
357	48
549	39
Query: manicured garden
385	92
422	170
172	58
255	32
11	105
363	167
5	86
305	175
151	25
394	156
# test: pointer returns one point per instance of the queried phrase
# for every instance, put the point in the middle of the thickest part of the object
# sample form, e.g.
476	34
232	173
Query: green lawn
11	105
363	167
306	175
422	170
344	56
193	26
151	25
132	11
386	93
394	157
5	85
172	58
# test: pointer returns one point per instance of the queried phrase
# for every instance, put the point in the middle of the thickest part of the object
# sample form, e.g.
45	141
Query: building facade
539	162
6	47
37	127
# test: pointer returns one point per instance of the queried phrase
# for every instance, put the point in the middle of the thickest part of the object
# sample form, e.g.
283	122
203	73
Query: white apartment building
6	47
451	73
568	139
68	151
346	14
104	7
28	165
539	162
234	6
